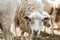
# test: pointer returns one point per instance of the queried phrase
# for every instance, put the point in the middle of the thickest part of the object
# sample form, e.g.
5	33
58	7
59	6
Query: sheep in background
53	7
56	12
7	12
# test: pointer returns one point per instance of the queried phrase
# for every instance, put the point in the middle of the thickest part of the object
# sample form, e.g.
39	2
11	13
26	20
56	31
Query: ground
44	36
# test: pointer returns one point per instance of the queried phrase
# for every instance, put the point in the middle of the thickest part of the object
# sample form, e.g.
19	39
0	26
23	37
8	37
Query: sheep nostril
35	32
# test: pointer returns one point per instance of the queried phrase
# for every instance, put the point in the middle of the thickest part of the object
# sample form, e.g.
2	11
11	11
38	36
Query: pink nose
35	32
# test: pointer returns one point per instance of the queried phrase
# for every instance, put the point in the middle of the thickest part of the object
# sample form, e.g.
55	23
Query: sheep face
35	22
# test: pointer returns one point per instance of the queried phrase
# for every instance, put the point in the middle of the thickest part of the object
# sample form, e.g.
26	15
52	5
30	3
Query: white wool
56	4
7	13
35	14
45	14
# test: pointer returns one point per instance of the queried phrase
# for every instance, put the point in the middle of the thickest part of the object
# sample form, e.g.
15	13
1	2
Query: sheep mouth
35	34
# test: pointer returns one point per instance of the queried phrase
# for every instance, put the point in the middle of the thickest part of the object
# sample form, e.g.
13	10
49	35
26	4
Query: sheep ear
46	18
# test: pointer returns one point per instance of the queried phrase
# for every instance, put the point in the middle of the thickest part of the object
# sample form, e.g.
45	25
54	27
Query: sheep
7	12
29	16
56	12
52	7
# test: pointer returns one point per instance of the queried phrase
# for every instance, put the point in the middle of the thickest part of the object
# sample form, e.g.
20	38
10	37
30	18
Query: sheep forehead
35	14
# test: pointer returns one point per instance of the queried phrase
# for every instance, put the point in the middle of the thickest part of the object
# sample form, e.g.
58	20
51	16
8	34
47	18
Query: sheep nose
35	32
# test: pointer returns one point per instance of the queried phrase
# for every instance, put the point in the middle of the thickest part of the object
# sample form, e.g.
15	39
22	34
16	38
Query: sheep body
7	12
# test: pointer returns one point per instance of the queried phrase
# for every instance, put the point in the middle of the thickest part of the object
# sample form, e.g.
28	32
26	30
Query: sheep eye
46	18
27	18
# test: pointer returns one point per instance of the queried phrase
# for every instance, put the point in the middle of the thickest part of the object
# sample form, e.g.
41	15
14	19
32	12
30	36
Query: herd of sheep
29	15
